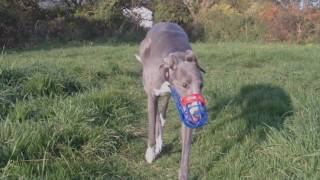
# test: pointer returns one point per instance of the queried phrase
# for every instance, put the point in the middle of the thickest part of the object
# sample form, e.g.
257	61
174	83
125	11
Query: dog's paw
158	144
150	154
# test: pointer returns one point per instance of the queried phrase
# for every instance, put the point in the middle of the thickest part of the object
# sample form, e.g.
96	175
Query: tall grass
80	112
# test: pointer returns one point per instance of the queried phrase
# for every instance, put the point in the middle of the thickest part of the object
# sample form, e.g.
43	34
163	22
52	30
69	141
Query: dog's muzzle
191	109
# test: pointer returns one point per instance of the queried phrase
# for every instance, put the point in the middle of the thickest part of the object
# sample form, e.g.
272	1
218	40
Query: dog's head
184	72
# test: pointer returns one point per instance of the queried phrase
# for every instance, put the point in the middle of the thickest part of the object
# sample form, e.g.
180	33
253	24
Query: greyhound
167	58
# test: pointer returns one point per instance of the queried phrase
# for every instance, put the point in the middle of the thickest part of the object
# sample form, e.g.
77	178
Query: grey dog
166	56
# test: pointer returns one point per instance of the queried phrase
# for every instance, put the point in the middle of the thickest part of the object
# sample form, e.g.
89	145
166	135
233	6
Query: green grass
79	112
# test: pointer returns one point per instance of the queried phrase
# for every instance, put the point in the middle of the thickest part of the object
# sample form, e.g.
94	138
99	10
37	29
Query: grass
79	112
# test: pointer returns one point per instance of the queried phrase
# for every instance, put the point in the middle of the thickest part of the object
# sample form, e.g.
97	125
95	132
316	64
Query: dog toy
191	109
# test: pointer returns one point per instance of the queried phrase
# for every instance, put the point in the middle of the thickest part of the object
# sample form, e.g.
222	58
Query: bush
221	22
291	24
177	12
261	20
172	11
24	22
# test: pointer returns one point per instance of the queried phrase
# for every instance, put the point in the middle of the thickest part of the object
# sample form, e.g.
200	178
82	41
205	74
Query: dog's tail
138	58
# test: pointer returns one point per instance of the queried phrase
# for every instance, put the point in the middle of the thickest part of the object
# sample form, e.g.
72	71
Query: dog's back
161	40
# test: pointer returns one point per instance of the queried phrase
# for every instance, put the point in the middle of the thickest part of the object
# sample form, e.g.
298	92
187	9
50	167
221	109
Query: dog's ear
169	62
190	57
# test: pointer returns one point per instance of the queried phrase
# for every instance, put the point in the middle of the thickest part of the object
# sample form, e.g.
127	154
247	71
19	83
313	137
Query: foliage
15	19
172	11
258	20
24	22
221	22
291	23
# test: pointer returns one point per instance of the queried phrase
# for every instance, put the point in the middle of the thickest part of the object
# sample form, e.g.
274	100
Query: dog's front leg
186	135
152	115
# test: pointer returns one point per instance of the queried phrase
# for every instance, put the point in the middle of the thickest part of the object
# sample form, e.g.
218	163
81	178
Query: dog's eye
185	85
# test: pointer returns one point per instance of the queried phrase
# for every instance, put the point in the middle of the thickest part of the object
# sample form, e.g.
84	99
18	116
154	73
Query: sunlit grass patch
80	112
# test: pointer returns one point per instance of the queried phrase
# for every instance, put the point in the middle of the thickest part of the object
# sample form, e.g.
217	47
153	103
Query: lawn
78	111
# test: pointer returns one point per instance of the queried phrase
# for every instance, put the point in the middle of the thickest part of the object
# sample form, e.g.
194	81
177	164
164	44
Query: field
78	111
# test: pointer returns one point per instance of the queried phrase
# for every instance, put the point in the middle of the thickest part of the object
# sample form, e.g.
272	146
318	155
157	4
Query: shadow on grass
171	148
261	106
264	105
